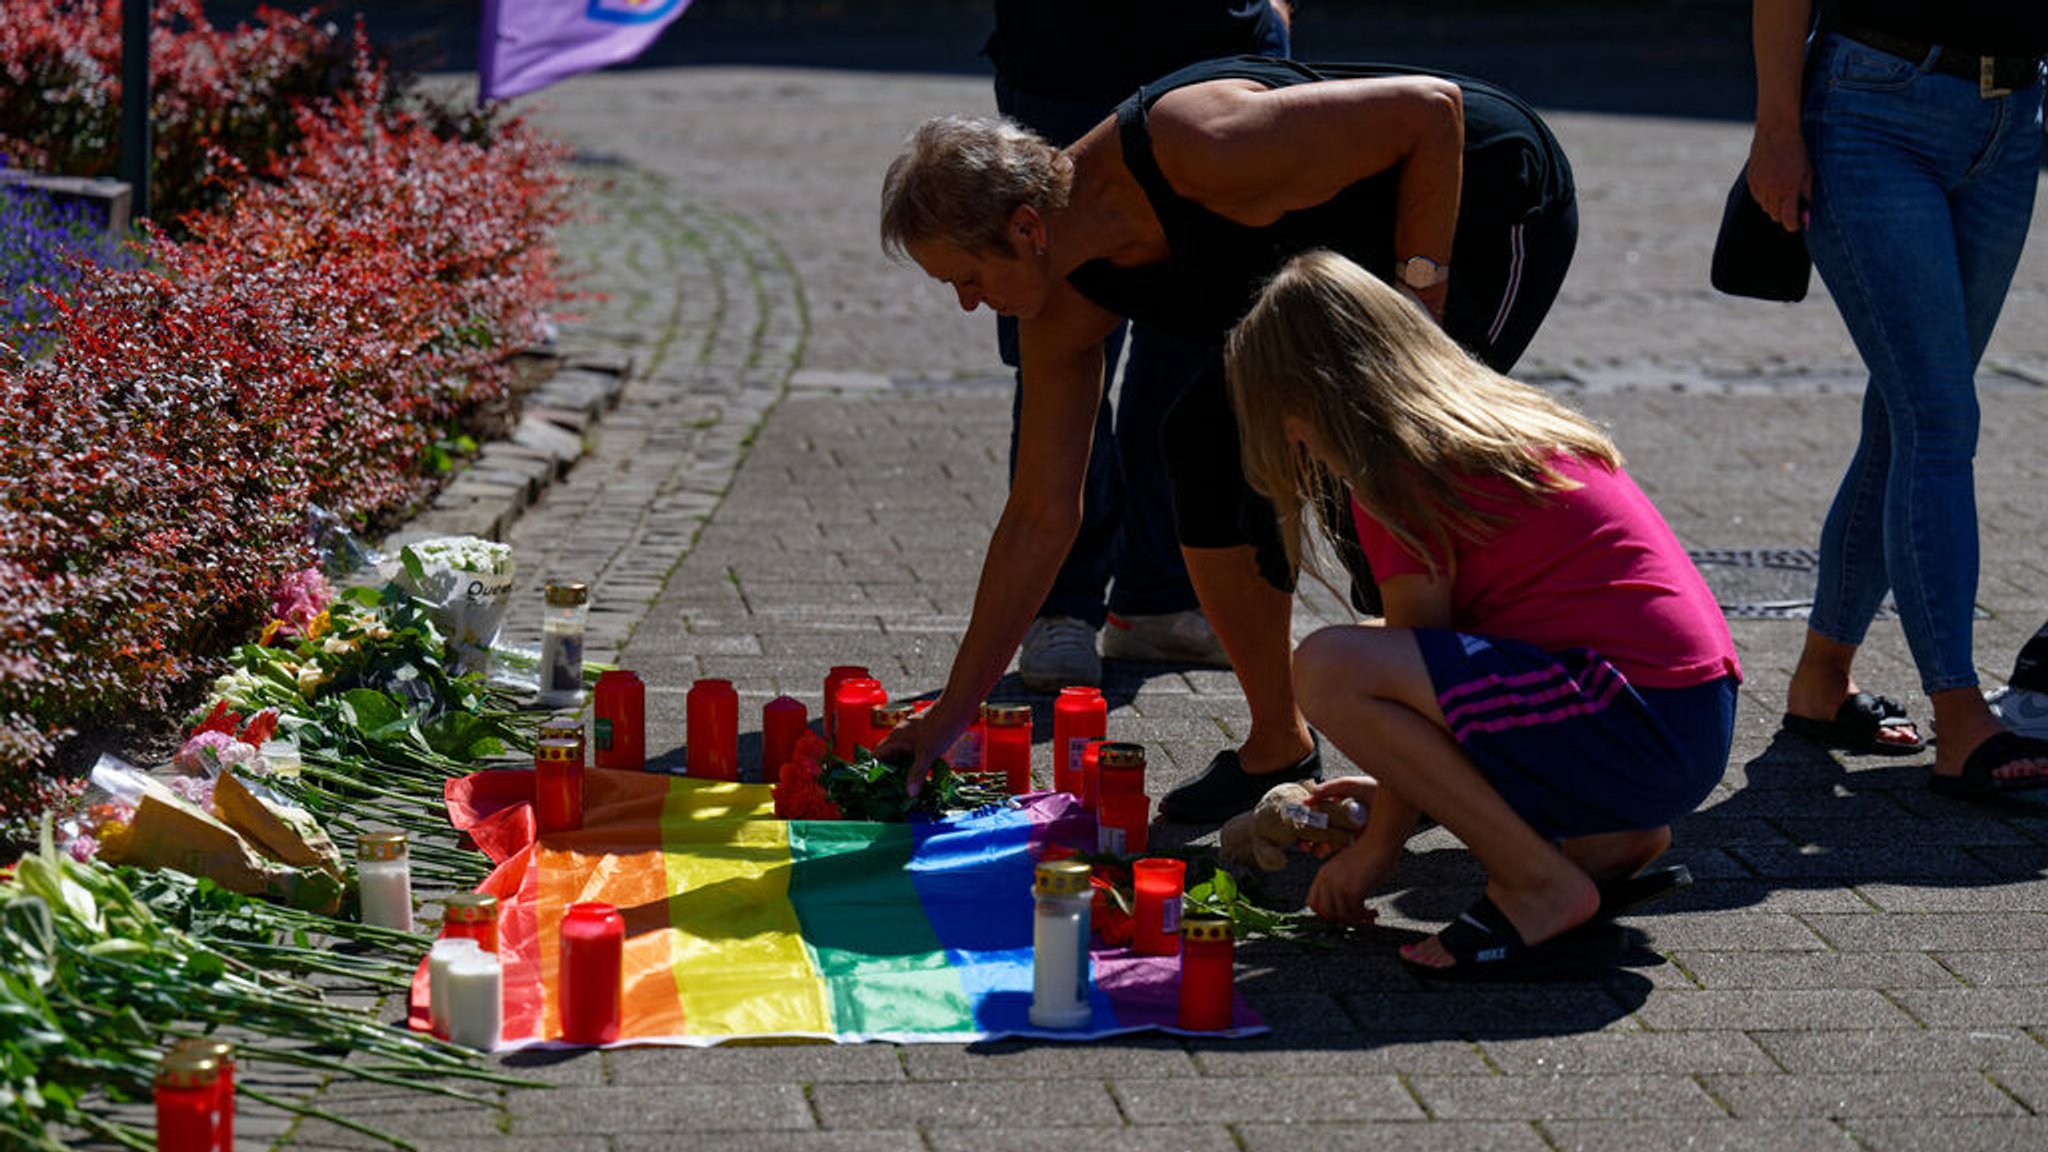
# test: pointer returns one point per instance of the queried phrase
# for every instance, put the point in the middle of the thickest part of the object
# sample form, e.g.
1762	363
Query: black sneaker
1224	788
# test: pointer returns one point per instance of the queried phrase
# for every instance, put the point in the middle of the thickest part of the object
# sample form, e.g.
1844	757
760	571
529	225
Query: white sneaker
1167	638
1059	652
2021	711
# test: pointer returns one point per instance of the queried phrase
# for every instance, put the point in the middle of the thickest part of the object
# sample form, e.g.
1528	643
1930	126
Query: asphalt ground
803	472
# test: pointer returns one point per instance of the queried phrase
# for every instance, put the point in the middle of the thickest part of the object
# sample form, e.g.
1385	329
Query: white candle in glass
443	954
474	993
384	880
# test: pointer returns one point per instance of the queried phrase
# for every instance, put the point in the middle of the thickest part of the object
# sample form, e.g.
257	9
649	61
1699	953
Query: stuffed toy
1283	818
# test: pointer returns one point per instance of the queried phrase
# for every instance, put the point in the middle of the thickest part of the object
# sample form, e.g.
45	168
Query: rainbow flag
739	925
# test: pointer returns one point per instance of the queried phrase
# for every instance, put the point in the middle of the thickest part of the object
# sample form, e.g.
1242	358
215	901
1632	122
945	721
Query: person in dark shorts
1172	213
1553	682
1061	66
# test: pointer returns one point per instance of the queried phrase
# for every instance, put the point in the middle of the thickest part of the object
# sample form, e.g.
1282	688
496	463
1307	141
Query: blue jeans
1922	193
1127	503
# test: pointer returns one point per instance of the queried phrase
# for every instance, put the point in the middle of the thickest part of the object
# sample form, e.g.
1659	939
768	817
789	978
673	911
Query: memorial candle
557	786
1059	945
593	945
1122	820
853	709
619	721
1120	769
474	996
829	716
440	957
1091	774
561	644
1078	716
384	880
783	720
1006	745
222	1054
188	1103
565	726
1206	955
1157	885
471	916
712	710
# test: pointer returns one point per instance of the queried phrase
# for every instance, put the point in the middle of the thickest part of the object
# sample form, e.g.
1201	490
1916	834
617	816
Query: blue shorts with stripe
1573	747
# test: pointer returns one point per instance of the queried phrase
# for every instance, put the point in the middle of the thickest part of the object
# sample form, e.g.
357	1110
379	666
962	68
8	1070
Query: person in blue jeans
1061	67
1906	141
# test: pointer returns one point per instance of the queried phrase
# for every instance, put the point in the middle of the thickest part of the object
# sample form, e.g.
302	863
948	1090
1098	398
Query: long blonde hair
1408	414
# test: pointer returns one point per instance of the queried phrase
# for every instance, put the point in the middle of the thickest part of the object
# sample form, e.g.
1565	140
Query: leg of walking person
1923	191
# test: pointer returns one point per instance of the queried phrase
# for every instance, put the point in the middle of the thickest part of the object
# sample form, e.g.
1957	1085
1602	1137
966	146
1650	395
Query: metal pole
135	135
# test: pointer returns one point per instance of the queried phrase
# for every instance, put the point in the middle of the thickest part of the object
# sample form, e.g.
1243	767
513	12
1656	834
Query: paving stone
1920	1093
1716	1135
1295	1100
755	1064
1560	1097
900	1141
1406	1135
1613	1053
1764	1009
1934	932
1021	1060
965	1104
1144	1138
1291	1056
1929	1135
676	1107
1490	1011
1781	970
1894	1051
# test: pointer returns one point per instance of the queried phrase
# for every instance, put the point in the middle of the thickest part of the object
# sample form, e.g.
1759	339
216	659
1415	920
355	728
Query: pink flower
202	752
298	599
83	847
195	791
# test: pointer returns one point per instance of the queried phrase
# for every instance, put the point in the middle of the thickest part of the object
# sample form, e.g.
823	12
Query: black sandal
1225	789
1484	945
1976	781
1859	725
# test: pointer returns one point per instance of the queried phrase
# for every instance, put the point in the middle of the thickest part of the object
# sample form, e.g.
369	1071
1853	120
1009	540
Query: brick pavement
804	470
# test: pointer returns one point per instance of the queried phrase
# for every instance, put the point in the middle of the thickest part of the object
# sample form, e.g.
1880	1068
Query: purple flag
530	44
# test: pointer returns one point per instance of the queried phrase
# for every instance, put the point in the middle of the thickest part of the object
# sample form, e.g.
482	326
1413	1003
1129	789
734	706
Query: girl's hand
1345	880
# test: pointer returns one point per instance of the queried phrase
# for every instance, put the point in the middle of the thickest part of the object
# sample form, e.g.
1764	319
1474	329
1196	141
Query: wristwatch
1420	272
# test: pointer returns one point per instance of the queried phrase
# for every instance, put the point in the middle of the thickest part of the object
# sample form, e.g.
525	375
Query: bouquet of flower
468	583
816	785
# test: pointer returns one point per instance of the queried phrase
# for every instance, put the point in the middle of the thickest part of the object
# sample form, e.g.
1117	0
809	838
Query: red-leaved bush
217	96
305	344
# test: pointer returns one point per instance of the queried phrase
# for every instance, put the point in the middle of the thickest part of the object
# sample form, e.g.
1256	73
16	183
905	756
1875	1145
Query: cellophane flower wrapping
468	584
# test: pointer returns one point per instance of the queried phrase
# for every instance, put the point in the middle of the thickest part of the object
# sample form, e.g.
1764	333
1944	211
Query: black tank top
1514	171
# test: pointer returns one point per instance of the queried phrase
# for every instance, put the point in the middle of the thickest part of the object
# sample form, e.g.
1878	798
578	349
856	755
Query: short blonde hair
959	179
1410	416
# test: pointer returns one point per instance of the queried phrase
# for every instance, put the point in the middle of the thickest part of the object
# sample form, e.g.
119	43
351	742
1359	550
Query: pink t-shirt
1593	567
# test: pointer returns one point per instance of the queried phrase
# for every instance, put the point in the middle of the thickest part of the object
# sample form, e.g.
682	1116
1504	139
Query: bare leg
1368	690
1252	619
1822	681
1612	855
1963	721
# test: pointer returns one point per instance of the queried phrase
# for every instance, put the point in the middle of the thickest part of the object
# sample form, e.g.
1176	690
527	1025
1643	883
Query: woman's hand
1345	880
918	741
1779	176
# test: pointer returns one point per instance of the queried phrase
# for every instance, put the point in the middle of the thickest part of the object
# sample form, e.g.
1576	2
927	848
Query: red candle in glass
1078	716
1006	745
1121	822
222	1054
592	978
1091	774
558	786
619	721
188	1112
1120	769
471	916
1206	955
829	718
712	730
783	720
853	710
1156	884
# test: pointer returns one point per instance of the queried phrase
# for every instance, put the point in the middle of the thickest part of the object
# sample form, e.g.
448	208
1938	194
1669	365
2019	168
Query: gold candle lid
186	1068
889	715
470	908
561	728
1006	715
558	751
381	846
567	595
219	1051
1061	878
1210	928
1118	755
